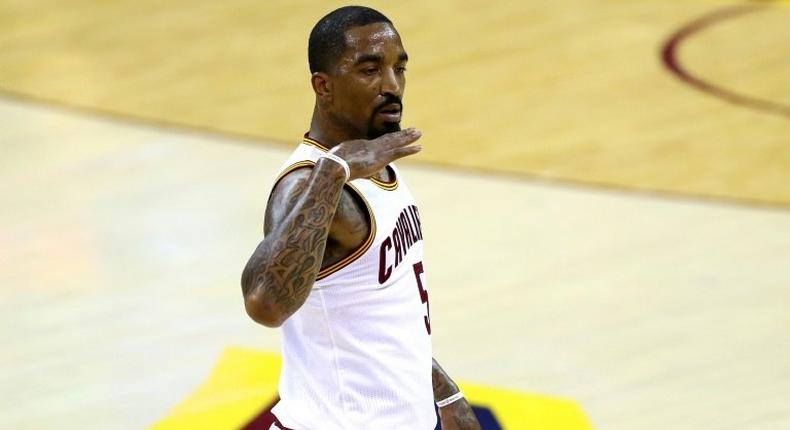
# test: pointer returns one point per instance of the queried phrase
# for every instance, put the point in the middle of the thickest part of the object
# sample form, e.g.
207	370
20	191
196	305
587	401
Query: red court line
669	56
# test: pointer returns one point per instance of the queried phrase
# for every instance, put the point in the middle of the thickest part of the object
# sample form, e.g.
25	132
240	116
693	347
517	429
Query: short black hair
328	37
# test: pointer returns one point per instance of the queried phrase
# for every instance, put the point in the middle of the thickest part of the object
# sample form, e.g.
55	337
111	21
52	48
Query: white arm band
457	396
339	161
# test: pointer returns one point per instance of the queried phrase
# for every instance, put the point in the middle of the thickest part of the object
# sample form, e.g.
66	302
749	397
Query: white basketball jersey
357	354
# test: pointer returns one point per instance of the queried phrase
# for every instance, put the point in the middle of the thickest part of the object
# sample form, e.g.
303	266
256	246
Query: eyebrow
377	58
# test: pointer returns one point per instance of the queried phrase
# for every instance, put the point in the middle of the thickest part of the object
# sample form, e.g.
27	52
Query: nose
390	84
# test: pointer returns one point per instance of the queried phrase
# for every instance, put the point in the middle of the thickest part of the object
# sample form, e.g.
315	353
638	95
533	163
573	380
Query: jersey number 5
418	270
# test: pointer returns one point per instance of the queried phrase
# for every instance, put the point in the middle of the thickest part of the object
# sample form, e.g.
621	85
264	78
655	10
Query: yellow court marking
239	386
565	89
515	410
244	381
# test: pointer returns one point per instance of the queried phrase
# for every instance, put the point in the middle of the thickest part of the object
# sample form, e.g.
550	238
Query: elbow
263	314
261	307
256	305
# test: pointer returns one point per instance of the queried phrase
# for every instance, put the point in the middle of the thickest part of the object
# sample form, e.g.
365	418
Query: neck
326	130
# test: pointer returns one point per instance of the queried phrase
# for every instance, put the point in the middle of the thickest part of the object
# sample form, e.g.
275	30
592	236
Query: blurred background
605	190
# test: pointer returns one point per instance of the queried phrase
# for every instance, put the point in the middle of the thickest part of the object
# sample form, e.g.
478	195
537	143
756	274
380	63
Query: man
340	267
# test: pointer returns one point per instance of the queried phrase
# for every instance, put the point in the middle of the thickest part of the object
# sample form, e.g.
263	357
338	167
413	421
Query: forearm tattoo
443	386
459	411
286	263
465	418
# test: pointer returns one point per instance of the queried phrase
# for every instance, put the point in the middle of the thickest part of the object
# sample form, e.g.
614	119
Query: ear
322	86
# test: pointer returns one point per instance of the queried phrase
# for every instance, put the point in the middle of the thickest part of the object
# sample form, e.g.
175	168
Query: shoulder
294	177
290	186
284	194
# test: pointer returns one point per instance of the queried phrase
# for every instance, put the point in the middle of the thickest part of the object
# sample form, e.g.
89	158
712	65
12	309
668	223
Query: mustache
389	99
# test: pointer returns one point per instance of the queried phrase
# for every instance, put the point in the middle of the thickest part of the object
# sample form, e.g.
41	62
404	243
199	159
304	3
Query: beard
387	127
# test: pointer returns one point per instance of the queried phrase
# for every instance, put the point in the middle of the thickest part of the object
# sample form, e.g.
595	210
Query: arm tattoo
459	411
285	264
443	386
466	419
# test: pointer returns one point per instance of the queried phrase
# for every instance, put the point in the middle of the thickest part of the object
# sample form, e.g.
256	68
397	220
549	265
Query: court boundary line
258	141
671	62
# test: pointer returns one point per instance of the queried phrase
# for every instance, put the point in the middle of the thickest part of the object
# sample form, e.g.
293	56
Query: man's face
369	80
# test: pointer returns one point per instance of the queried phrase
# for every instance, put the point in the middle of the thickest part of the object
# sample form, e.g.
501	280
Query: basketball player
341	265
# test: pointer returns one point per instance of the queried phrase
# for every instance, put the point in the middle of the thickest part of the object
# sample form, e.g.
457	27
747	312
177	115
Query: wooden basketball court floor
605	187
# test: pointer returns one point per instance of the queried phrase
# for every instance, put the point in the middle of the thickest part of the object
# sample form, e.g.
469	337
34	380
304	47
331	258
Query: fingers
406	151
401	138
366	157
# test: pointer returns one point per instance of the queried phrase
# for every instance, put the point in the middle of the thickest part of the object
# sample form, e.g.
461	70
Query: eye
370	71
400	69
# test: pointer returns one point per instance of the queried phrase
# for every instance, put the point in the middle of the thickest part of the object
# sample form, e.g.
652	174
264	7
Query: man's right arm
281	271
283	267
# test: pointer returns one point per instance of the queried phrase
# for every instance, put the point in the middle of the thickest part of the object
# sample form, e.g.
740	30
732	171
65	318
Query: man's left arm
457	415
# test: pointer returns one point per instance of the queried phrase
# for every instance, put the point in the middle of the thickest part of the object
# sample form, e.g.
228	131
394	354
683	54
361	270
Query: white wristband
457	396
339	161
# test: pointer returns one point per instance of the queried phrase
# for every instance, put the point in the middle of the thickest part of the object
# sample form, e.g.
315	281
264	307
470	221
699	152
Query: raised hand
366	157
